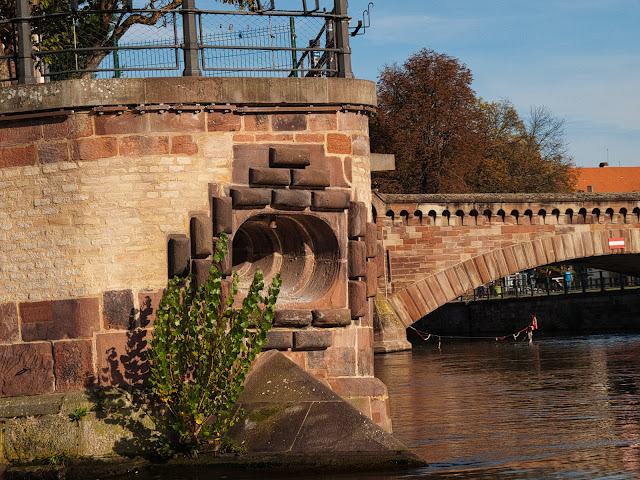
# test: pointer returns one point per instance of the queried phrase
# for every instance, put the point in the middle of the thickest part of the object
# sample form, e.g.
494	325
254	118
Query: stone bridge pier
109	187
437	247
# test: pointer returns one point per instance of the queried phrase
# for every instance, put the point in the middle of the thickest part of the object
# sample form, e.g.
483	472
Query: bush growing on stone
201	350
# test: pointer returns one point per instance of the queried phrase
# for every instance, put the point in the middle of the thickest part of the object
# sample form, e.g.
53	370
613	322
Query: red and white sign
616	243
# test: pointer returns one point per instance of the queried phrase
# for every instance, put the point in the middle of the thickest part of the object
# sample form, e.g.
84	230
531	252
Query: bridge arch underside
586	248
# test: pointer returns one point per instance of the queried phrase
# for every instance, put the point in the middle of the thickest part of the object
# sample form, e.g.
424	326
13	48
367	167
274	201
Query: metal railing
546	286
182	42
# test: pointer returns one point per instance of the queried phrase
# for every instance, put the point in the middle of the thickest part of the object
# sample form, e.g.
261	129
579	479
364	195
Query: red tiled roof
609	179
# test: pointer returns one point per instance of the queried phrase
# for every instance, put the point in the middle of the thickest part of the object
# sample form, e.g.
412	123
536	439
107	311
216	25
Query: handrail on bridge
547	286
187	41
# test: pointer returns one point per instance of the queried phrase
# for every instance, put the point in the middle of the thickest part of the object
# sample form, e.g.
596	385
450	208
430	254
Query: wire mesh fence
148	42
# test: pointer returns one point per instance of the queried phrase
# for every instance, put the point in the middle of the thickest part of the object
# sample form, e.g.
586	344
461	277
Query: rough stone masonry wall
91	191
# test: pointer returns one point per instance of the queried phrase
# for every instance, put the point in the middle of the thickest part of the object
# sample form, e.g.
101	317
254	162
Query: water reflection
562	408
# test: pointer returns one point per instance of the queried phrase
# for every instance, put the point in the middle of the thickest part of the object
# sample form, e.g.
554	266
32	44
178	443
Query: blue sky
580	58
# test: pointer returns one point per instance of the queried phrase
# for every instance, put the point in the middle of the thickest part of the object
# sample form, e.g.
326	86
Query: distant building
606	179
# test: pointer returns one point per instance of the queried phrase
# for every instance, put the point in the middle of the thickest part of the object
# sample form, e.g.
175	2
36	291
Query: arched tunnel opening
302	248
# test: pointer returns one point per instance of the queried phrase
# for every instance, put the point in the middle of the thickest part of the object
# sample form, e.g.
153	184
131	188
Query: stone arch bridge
440	246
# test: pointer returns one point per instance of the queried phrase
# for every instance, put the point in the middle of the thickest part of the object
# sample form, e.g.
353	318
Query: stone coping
486	198
89	93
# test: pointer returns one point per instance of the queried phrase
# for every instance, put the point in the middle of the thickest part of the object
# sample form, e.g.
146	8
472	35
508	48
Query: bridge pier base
390	334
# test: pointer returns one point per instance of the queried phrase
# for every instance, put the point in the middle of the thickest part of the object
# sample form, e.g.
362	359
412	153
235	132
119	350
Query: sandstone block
279	340
17	156
293	157
310	178
371	239
338	143
311	340
291	199
73	365
27	369
288	122
221	213
148	302
357	298
200	269
53	152
372	279
58	319
292	318
337	317
250	197
357	260
178	256
201	229
330	200
94	148
9	332
357	220
121	357
269	176
118	310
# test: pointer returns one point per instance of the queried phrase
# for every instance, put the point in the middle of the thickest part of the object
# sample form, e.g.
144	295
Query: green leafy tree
201	350
446	140
428	117
523	156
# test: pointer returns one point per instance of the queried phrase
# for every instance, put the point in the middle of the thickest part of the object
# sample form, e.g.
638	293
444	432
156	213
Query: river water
562	408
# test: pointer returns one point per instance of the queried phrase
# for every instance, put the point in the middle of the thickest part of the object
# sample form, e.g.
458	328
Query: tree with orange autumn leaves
446	140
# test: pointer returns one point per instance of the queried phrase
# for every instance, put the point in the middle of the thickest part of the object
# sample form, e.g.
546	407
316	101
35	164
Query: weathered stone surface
201	229
179	254
357	260
311	340
291	199
121	357
31	405
250	197
270	176
372	279
26	439
221	213
9	332
246	156
292	318
288	122
293	157
357	220
279	340
325	423
200	269
330	200
126	432
310	178
357	298
148	302
371	239
27	369
337	317
73	365
58	319
117	309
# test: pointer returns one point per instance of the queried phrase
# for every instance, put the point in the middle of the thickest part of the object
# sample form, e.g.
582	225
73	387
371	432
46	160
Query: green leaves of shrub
202	349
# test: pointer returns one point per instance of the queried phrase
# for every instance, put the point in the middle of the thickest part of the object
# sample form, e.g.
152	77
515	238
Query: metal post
190	46
26	72
342	40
